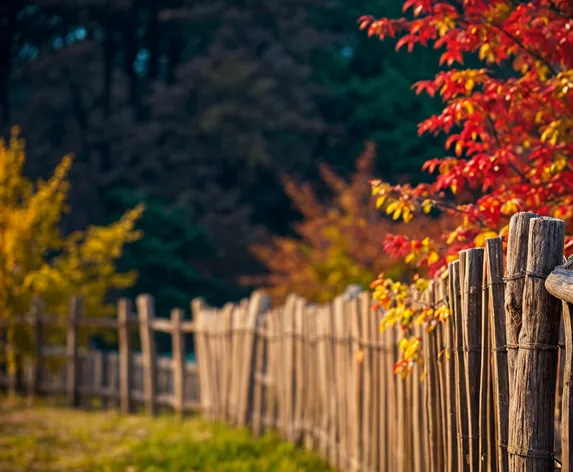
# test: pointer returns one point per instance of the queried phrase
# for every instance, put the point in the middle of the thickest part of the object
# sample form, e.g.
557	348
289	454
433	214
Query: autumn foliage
339	242
37	259
509	123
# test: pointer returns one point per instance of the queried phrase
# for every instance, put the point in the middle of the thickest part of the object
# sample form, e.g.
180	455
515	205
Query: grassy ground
46	439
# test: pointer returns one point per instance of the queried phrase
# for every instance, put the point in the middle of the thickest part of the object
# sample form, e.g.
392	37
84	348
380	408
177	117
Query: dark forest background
197	108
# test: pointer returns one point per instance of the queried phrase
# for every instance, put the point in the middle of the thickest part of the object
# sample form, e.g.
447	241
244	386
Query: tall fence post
451	378
471	315
35	380
458	271
560	284
178	348
124	311
75	312
517	241
197	309
145	311
532	403
496	292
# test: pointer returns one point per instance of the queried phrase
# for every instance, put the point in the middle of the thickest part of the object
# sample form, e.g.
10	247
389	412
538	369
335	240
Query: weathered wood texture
531	428
496	296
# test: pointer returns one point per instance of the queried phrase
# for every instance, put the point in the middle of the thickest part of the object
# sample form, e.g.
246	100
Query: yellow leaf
427	206
483	51
433	257
392	206
479	240
470	83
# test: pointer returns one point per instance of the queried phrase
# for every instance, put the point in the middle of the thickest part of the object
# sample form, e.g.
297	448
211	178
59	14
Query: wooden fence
495	394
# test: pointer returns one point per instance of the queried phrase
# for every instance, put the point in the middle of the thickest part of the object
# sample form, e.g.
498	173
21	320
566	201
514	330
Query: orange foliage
338	243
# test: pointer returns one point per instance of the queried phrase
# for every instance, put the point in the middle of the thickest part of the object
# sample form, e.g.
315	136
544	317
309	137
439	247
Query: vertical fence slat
324	392
374	356
433	410
532	402
274	391
485	435
567	408
451	377
72	374
125	368
458	271
518	239
298	393
36	311
560	284
98	367
471	315
227	327
352	411
310	365
442	366
178	364
500	377
390	383
145	311
365	362
198	311
257	422
342	344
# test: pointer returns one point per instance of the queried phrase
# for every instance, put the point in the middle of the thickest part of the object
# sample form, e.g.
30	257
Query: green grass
46	439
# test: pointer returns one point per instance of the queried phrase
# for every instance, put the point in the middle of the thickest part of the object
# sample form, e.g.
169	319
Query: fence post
123	313
75	312
560	284
472	299
517	241
494	266
451	378
458	271
178	348
532	403
36	365
487	451
145	310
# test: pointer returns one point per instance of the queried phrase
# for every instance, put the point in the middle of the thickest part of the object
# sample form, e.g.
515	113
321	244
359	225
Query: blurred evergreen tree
169	256
168	259
368	95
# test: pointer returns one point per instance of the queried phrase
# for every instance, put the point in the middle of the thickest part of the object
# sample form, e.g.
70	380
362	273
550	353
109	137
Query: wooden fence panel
323	375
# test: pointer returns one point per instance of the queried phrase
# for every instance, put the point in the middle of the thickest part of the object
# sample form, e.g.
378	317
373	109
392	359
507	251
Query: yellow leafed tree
37	259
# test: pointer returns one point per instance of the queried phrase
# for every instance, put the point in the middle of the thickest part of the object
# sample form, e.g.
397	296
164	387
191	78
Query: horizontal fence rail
493	392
